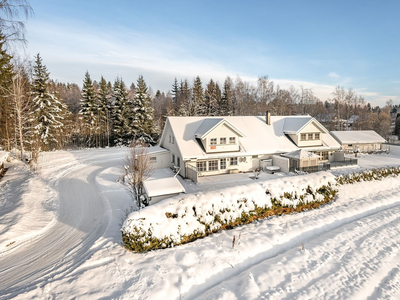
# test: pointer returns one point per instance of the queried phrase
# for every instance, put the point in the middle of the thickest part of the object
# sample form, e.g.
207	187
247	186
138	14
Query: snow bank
3	157
185	218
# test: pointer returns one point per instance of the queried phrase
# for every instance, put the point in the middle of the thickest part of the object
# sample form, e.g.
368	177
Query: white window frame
233	161
222	163
232	138
222	141
213	141
201	166
303	136
213	165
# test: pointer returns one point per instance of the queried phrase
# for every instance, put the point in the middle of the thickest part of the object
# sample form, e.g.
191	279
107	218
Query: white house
365	140
218	145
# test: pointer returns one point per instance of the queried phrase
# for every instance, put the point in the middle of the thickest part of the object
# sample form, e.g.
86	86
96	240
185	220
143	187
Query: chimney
268	117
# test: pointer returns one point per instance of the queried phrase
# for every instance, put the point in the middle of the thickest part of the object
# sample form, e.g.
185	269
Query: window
234	161
232	140
173	158
324	155
212	165
222	163
201	166
303	137
316	136
222	141
178	163
310	136
173	140
153	159
170	139
213	141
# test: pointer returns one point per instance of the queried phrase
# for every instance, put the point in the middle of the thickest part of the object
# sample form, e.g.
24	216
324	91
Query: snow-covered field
60	239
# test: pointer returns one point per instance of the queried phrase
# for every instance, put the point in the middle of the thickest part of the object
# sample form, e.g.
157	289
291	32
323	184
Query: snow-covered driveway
83	217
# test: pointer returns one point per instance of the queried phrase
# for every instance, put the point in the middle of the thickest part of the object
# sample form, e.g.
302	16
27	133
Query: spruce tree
211	102
143	113
123	114
104	111
6	75
198	107
185	92
46	116
89	108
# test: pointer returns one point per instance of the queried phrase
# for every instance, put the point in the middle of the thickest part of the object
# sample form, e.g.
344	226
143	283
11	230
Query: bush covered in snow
182	219
368	175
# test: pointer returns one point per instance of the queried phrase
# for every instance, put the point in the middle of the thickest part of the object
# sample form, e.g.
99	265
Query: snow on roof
259	138
209	124
294	124
357	136
156	150
162	182
300	154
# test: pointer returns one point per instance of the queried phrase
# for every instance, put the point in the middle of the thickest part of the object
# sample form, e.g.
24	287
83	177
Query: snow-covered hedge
182	219
368	175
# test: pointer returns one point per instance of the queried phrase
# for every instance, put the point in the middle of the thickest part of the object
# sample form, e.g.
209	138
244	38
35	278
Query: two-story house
218	145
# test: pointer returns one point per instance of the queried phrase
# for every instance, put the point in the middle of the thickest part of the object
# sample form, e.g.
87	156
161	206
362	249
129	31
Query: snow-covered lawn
347	249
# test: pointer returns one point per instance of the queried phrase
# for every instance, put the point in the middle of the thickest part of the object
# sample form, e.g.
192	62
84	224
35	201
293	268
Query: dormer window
213	142
303	136
316	136
310	136
222	141
232	140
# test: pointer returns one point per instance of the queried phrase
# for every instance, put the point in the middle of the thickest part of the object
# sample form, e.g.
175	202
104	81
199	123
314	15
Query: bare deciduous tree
137	168
13	29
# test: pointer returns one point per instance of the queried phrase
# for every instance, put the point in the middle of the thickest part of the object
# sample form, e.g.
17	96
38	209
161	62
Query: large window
213	141
303	137
232	140
222	163
234	161
201	166
212	165
222	141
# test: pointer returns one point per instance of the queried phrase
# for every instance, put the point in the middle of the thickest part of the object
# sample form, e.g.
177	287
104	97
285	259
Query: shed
161	185
365	140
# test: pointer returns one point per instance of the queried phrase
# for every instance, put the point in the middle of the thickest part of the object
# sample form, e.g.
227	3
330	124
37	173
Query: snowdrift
182	219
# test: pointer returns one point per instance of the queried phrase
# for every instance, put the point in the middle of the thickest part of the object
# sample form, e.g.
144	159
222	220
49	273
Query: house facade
221	145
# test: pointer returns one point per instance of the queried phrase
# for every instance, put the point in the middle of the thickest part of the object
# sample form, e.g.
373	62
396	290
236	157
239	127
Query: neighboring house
217	145
363	140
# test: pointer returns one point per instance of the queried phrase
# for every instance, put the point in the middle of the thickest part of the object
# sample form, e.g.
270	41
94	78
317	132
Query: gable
310	127
209	126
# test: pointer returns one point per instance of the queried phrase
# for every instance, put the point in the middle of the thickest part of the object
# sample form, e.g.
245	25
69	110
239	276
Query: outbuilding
363	140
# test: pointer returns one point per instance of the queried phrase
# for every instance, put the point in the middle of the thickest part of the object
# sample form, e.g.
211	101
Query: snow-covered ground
60	239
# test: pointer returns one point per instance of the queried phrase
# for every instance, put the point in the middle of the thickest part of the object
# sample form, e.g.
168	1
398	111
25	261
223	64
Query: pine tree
176	94
211	102
185	92
6	75
89	108
198	107
123	114
104	111
46	116
143	113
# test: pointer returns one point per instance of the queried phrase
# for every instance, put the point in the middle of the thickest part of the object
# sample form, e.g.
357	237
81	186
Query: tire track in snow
81	220
307	237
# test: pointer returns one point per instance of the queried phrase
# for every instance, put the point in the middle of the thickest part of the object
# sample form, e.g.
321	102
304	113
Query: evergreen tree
104	111
176	94
89	107
6	75
46	116
123	114
185	92
143	113
198	107
211	103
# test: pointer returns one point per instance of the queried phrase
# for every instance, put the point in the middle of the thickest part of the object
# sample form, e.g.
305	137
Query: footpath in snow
344	250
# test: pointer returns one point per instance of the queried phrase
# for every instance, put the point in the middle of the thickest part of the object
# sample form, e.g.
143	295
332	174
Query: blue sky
316	44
